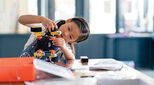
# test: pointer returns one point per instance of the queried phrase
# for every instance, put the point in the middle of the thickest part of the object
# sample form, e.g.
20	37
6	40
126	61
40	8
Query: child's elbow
73	58
20	19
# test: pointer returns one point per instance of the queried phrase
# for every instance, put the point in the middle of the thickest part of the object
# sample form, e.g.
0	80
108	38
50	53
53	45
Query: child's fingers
54	25
58	41
48	28
51	26
54	42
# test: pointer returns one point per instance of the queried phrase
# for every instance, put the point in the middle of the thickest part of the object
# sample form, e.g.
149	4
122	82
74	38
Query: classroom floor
148	72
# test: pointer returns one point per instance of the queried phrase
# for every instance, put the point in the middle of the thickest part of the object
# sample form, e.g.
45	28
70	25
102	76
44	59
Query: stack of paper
107	65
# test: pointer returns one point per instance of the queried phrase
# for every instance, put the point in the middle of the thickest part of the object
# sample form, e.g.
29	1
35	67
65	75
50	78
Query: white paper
53	69
105	65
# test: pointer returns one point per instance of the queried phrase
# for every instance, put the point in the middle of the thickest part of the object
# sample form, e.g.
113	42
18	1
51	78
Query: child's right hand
59	42
48	24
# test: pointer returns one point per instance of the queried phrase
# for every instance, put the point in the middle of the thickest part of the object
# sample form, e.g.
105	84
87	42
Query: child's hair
82	24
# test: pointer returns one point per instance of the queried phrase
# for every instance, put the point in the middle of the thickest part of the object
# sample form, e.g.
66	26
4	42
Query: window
64	9
102	16
8	15
10	10
136	15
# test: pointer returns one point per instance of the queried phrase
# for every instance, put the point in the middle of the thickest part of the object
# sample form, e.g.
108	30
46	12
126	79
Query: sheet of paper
53	69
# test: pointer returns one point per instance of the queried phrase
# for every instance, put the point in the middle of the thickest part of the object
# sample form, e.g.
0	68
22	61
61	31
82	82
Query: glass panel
10	10
64	9
27	7
102	16
8	15
137	15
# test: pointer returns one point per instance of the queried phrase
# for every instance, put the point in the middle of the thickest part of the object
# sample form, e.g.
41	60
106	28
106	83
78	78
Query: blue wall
137	49
93	47
11	45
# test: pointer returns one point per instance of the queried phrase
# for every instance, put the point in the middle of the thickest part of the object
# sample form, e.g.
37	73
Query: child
73	30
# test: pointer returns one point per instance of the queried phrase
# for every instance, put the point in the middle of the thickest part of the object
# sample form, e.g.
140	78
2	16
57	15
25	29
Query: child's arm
61	43
30	19
67	53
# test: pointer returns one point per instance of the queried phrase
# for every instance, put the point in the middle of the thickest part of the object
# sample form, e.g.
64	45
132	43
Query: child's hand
59	42
47	23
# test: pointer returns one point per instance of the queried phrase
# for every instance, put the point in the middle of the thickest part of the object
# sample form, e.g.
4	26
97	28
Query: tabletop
112	72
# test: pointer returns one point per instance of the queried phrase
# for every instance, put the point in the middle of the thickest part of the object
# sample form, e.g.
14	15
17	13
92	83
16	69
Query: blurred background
120	29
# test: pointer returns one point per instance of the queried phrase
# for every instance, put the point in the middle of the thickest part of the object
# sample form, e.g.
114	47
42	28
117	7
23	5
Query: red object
17	69
52	51
39	51
52	38
39	37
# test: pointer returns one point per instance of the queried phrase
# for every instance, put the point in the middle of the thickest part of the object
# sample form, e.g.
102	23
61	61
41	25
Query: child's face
70	31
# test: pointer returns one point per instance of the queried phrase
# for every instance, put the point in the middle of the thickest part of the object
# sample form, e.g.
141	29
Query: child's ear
72	42
68	20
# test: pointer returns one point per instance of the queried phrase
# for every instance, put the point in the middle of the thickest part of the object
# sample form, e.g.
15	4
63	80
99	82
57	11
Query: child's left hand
59	42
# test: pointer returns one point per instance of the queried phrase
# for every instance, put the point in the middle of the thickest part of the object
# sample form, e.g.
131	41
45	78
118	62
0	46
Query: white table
125	76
